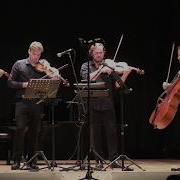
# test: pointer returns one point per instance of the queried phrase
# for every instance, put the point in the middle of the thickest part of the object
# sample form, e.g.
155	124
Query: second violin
120	67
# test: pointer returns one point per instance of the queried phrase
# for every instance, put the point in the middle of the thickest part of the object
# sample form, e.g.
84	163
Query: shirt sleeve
84	71
12	80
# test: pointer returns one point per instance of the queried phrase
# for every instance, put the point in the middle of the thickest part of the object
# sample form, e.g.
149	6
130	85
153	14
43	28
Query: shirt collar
27	61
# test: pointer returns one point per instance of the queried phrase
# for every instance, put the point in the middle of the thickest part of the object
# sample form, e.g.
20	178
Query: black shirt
99	103
22	71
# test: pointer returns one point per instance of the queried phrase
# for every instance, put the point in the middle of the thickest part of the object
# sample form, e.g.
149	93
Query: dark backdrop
149	30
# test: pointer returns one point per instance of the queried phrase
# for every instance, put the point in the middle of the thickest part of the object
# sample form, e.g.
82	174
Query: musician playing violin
27	113
102	110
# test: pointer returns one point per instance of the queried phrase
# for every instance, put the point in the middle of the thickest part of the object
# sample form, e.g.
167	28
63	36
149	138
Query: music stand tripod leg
38	153
45	159
30	160
127	158
100	157
86	158
123	158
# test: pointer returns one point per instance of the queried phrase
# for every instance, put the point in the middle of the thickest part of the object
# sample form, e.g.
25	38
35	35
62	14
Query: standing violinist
102	110
27	113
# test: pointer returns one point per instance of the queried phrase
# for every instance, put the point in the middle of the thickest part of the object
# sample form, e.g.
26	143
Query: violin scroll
139	71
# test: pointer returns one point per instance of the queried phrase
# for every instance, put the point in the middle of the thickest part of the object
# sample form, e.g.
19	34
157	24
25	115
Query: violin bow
170	62
120	41
60	68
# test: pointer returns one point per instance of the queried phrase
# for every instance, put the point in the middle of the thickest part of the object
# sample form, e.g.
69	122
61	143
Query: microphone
64	52
91	41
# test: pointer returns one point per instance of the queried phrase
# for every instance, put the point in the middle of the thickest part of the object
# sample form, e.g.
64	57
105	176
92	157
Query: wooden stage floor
144	169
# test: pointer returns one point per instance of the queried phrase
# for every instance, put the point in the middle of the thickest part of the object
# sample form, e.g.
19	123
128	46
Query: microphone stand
88	175
76	80
72	102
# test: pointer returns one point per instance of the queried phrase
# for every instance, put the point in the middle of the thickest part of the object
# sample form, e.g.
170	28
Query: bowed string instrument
43	66
167	103
121	70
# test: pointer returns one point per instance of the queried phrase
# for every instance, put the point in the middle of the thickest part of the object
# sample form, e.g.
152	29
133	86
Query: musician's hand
1	72
25	84
165	85
107	70
56	77
66	83
179	73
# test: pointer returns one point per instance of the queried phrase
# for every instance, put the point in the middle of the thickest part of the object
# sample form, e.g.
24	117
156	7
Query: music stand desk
41	89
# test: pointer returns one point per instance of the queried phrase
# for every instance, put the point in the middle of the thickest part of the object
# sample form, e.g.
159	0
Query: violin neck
133	68
139	71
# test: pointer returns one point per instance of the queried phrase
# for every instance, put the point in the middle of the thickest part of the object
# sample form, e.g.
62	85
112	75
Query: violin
43	66
120	67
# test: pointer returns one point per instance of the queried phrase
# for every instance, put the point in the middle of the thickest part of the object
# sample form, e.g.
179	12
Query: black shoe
15	165
99	165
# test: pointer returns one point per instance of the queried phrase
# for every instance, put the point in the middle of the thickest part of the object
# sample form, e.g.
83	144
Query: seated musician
102	110
165	85
172	137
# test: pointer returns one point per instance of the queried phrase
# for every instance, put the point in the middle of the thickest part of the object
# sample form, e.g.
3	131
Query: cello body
167	106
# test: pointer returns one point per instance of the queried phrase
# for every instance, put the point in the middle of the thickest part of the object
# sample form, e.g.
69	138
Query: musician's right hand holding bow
165	85
108	66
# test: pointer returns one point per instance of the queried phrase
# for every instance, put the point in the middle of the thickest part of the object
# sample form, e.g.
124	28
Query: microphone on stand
91	41
64	52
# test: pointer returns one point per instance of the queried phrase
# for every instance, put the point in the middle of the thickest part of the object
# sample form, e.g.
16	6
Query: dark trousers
28	118
103	123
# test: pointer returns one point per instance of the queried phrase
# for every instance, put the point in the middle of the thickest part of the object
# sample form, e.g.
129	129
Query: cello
167	103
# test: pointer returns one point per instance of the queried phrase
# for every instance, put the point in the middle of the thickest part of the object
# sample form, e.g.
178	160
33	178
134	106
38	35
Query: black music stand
123	90
41	90
94	89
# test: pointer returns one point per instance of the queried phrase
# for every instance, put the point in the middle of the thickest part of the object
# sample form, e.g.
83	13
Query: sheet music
41	88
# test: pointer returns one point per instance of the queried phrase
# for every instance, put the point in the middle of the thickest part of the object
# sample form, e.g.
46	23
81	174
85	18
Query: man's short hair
36	45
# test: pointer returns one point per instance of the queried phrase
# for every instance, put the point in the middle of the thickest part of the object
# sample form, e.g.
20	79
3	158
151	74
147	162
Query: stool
5	137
